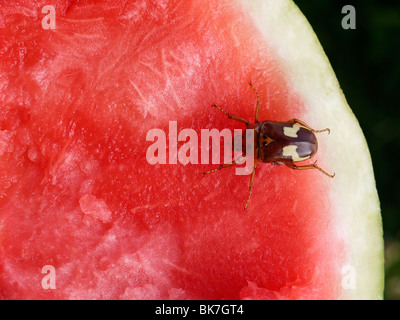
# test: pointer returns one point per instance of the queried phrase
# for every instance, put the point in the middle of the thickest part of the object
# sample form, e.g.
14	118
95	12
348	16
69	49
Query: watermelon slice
78	194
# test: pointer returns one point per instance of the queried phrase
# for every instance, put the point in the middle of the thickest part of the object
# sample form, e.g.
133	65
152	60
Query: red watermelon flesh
76	190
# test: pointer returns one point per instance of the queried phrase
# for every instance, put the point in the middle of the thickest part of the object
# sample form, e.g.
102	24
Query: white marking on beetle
291	131
291	151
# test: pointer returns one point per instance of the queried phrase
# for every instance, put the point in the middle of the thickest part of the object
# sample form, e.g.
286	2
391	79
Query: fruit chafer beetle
278	143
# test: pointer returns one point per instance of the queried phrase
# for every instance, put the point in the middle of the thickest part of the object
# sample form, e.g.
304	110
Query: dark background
367	64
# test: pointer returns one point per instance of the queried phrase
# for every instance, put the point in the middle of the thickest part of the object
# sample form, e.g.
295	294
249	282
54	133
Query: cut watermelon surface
76	189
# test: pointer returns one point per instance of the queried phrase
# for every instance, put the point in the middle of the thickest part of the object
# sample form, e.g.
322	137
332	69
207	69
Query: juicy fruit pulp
77	192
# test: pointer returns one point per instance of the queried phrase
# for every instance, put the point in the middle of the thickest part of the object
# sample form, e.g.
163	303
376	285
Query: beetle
278	143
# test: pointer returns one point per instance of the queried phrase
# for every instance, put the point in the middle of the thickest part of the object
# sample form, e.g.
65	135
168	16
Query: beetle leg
302	123
225	165
251	184
230	116
311	166
258	102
